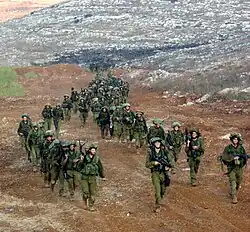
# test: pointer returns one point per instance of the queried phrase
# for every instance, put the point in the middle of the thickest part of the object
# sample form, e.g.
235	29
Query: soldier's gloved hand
156	163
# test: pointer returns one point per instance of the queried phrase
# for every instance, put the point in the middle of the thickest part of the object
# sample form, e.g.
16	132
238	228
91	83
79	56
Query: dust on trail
125	200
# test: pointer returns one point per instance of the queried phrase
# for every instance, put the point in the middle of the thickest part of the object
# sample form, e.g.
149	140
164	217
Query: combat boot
86	204
34	169
234	199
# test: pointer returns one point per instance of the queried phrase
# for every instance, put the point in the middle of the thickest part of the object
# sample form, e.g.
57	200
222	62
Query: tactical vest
90	166
156	156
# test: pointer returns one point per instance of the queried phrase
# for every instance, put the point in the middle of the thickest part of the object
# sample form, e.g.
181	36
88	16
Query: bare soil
10	9
125	201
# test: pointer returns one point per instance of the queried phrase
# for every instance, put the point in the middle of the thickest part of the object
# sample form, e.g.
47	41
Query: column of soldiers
106	97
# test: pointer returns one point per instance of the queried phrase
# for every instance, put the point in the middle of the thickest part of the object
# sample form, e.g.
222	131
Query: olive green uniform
90	168
194	157
156	132
158	173
232	157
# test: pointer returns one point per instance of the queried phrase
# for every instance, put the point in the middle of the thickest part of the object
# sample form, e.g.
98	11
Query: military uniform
74	99
83	109
58	117
23	131
117	123
159	162
156	130
70	168
104	122
140	130
194	155
47	116
234	157
46	155
96	108
128	118
90	167
67	106
175	140
34	142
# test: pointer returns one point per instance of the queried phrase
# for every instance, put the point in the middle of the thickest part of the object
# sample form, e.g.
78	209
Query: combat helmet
125	105
155	139
49	133
157	121
176	124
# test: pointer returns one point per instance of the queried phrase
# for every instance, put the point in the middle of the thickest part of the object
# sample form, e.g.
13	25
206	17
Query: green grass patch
8	83
31	75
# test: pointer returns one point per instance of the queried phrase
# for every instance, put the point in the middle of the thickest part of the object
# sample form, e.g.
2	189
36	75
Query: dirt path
126	199
10	9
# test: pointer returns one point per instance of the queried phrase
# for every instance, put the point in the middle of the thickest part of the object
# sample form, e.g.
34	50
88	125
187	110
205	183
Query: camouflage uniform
159	171
47	116
234	157
194	155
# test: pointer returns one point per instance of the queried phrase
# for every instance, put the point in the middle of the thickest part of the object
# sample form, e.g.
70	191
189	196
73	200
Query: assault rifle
163	164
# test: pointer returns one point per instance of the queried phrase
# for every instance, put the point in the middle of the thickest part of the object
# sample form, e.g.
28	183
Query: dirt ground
10	9
125	200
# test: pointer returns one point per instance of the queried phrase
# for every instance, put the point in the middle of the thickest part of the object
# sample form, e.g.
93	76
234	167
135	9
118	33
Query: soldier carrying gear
58	117
159	162
47	116
175	140
34	143
140	130
90	167
194	149
156	130
67	106
234	157
46	155
104	122
23	131
83	109
128	119
74	99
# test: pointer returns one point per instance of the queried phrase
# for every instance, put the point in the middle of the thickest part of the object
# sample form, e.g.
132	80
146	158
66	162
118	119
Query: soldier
67	106
235	158
34	142
117	123
194	149
128	118
111	127
90	167
140	130
47	116
74	99
156	130
23	131
58	116
46	152
175	140
72	156
96	108
159	162
83	109
104	122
